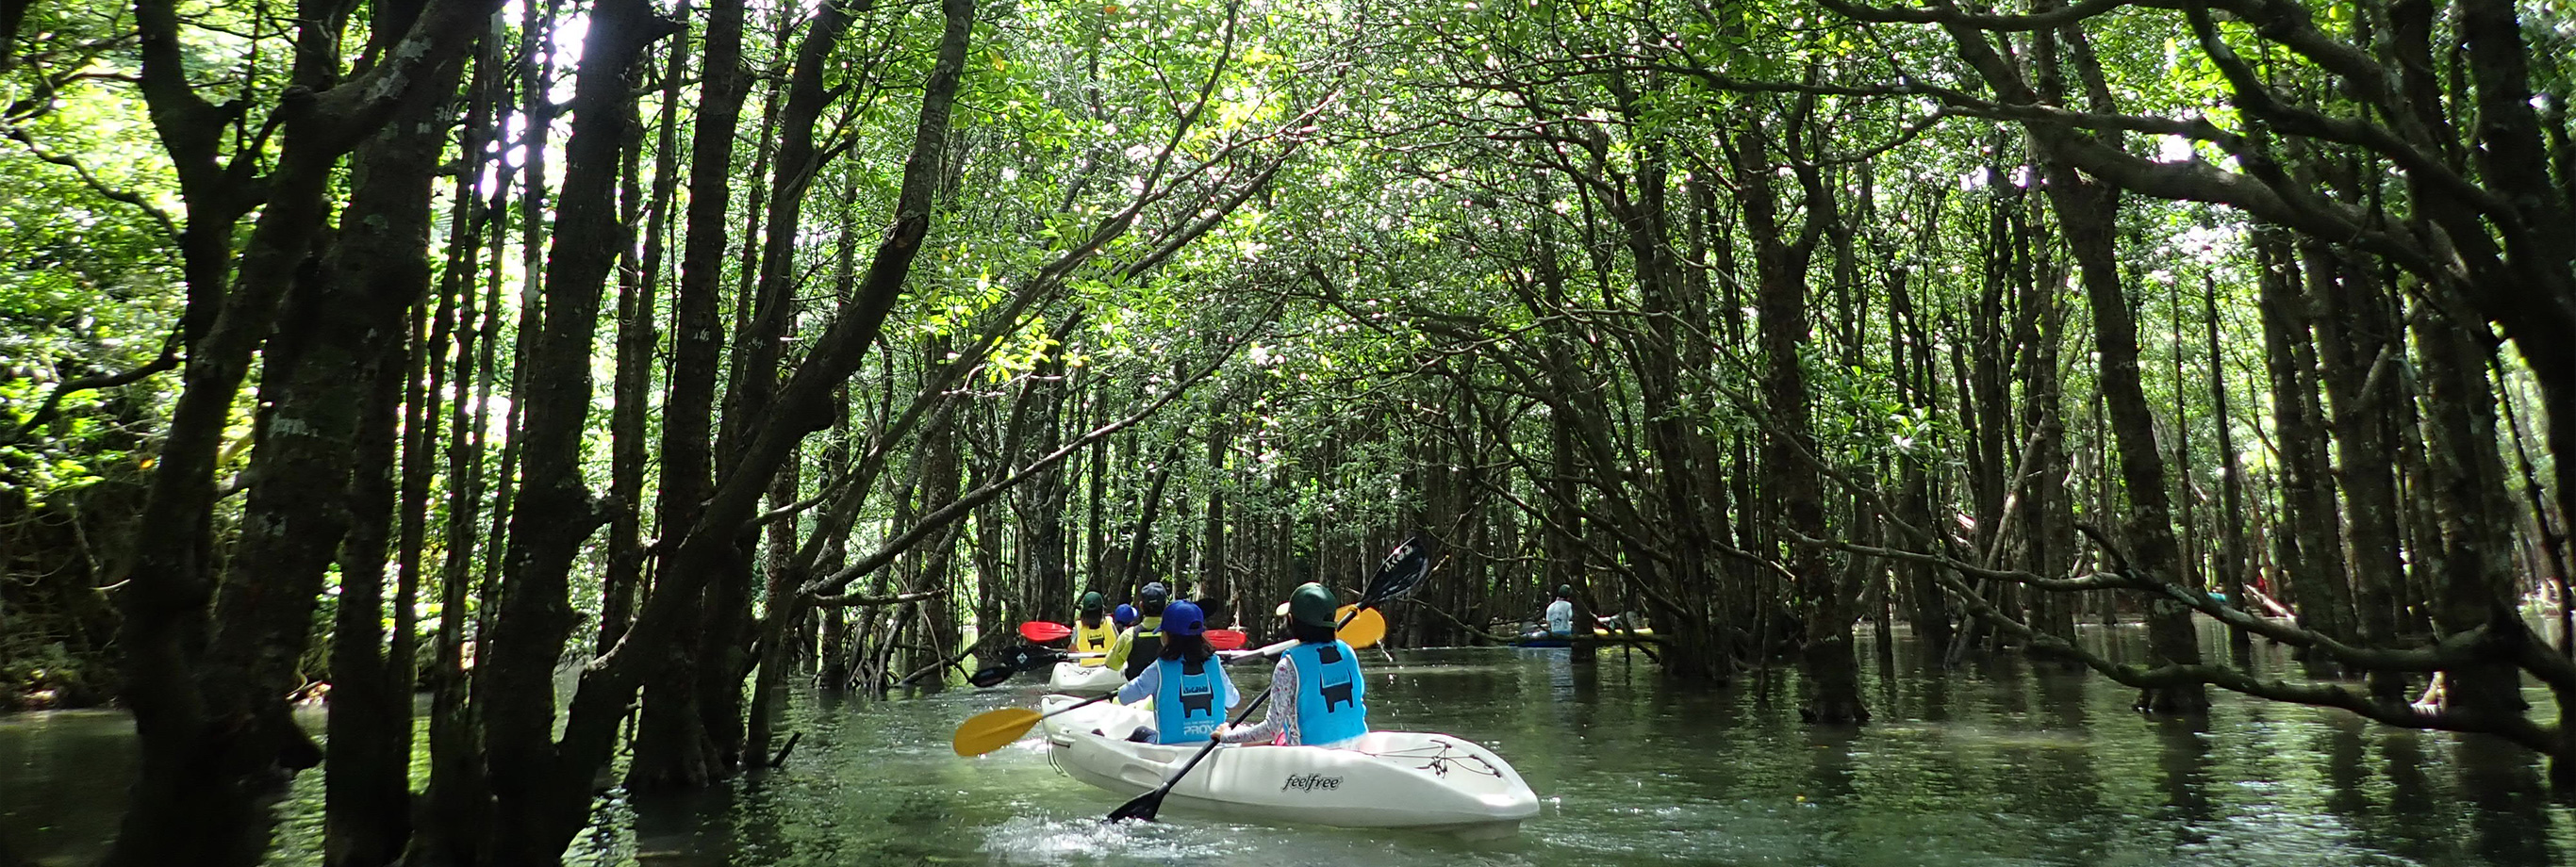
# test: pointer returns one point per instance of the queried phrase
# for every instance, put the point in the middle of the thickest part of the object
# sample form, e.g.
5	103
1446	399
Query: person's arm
1143	686
1118	649
1283	710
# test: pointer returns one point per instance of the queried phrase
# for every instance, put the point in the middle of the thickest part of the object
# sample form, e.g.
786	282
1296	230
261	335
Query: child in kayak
1187	682
1317	697
1139	644
1093	633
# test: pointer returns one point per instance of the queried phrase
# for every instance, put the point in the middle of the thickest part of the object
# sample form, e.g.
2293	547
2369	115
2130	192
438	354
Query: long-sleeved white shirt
1281	725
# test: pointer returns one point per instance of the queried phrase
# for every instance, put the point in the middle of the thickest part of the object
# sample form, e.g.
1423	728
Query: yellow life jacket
1094	639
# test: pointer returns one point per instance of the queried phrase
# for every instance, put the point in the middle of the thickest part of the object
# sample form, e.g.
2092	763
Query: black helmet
1565	591
1150	600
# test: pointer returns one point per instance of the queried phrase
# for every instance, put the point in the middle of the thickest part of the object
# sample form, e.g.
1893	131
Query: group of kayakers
1317	696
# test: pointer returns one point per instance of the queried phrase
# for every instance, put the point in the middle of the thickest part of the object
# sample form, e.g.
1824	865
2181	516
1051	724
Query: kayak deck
1385	780
1075	677
1105	716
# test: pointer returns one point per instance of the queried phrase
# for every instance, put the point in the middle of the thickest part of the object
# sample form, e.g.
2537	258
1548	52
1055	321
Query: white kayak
1385	780
1075	677
1103	715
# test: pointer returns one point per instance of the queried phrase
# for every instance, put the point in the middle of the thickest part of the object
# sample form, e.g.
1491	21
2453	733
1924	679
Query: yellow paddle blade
1365	630
992	730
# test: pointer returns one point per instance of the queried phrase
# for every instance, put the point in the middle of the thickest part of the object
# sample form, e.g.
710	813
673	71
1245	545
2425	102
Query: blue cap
1183	618
1125	615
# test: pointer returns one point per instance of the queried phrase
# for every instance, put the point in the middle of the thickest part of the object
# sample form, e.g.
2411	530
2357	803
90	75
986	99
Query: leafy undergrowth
49	677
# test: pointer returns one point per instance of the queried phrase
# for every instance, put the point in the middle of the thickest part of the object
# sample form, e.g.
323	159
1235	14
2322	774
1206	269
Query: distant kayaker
1187	682
1560	613
1139	644
1093	633
1123	616
1317	697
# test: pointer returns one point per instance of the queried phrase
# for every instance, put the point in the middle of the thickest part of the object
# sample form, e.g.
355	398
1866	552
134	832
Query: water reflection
2185	763
2506	802
1998	761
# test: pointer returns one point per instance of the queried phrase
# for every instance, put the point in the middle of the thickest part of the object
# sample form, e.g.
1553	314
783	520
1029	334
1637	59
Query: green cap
1313	604
1093	603
1565	591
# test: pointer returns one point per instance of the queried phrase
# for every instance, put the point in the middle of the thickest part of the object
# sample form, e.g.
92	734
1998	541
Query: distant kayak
1387	780
1088	680
1546	639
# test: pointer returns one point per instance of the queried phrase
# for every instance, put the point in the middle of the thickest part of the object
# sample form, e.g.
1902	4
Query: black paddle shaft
1016	659
1392	581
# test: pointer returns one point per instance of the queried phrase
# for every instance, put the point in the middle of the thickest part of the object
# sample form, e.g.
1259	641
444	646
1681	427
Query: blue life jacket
1187	704
1331	697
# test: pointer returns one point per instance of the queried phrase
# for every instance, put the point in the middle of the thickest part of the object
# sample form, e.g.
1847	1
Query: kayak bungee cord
1441	755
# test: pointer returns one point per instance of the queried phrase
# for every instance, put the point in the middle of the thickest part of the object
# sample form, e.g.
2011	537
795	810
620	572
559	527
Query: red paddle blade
1225	639
1042	632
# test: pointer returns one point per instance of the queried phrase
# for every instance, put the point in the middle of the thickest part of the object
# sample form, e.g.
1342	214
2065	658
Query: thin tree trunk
670	743
361	350
458	798
2231	552
2311	551
2473	556
2353	328
2088	212
1789	451
535	783
637	358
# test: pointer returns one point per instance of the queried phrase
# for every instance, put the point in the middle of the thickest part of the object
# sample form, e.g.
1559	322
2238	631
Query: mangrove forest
528	432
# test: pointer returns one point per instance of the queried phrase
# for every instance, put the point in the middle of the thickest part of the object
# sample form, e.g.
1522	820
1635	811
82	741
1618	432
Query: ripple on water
1044	841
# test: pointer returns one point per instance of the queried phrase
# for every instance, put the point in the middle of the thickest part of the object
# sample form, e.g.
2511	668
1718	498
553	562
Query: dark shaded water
2001	763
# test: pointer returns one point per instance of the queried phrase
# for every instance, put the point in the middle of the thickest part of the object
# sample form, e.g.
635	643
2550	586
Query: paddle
1041	632
1015	659
988	731
1019	658
1404	570
994	729
1361	627
991	675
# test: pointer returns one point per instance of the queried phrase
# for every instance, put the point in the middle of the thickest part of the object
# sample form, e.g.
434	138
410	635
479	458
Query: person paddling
1560	613
1093	633
1139	644
1187	682
1317	697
